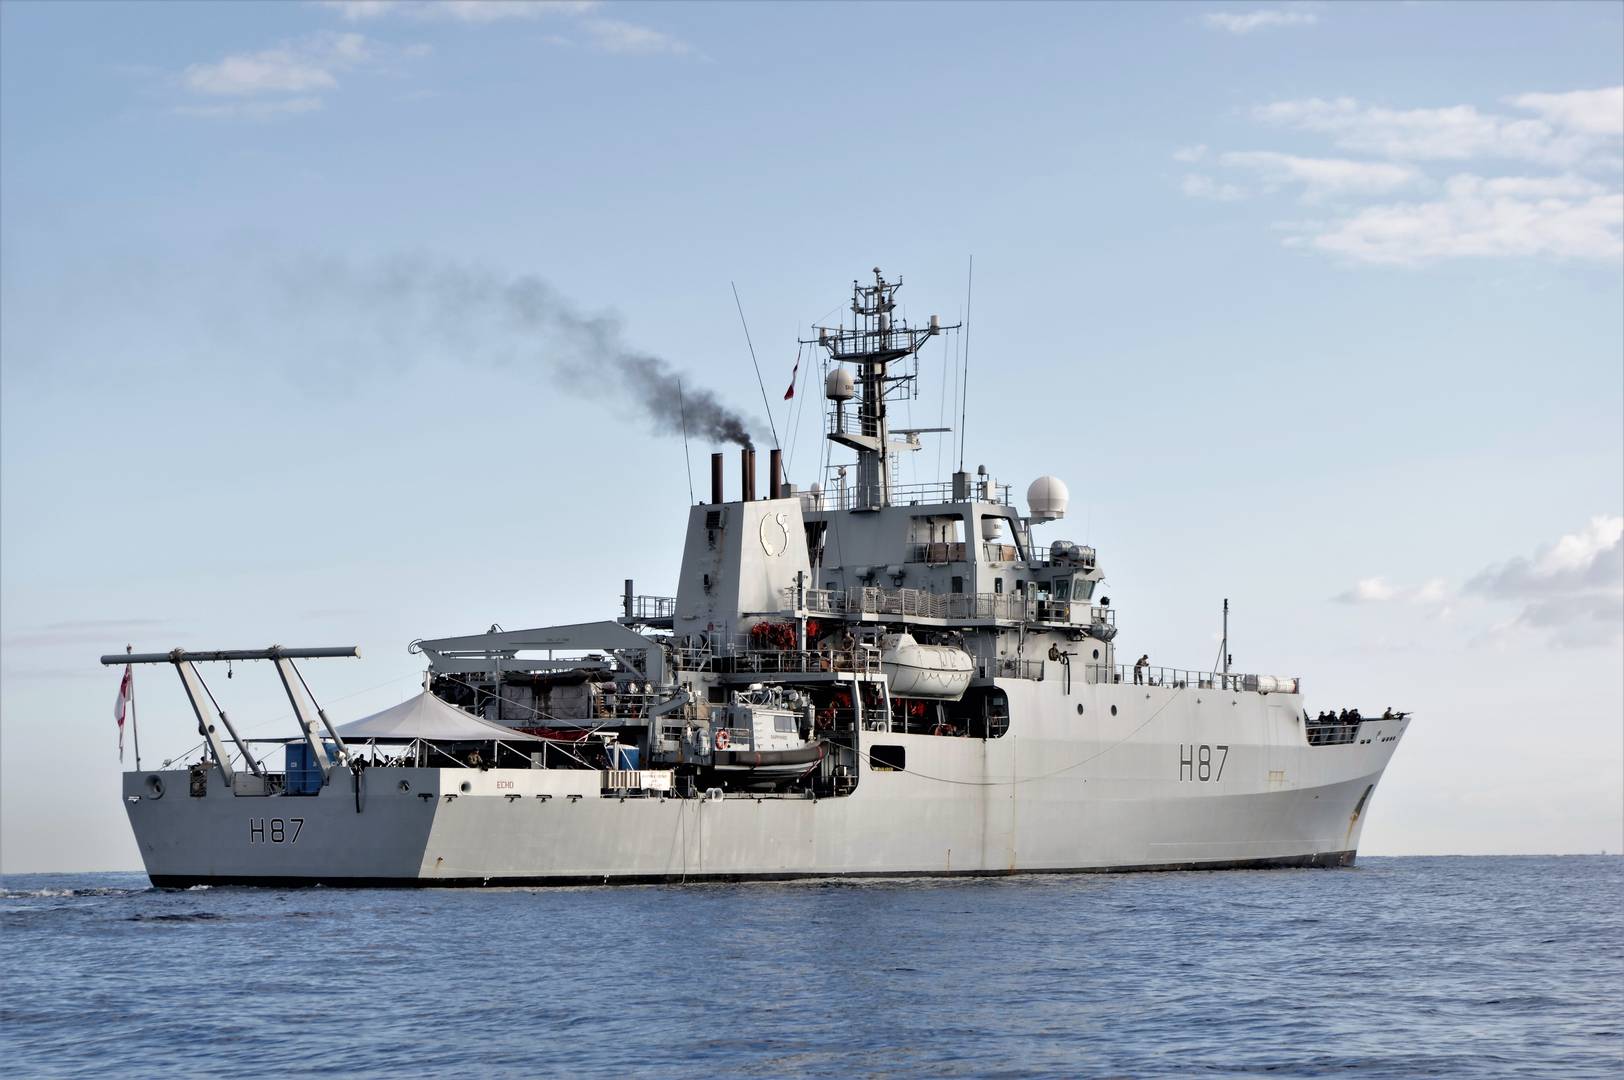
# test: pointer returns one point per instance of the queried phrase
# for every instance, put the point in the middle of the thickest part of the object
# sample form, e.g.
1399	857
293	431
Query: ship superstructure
858	677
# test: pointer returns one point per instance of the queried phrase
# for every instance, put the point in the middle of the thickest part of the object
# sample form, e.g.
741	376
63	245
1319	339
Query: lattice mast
875	339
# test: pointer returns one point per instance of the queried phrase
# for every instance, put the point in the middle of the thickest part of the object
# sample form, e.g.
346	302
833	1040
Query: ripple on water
1454	967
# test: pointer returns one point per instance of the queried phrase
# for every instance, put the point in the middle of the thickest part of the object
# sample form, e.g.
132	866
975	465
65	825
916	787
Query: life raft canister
723	741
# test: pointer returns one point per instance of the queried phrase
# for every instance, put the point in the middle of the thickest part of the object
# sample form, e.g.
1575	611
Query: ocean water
1397	967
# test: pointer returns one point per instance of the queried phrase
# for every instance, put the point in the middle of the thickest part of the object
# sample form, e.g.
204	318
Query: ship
858	677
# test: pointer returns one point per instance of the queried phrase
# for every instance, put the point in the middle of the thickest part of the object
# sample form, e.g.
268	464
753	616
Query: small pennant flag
792	376
126	688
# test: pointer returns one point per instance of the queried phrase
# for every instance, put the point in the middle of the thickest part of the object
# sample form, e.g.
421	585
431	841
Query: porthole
1113	710
404	786
1096	654
467	787
1079	710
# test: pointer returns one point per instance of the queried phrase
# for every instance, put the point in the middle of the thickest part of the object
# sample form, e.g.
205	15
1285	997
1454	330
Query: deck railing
1179	678
836	497
918	603
1332	734
968	607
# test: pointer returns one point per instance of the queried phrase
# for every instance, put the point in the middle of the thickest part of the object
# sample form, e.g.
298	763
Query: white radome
839	385
1047	498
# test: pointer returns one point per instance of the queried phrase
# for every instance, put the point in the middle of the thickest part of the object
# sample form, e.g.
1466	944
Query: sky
335	323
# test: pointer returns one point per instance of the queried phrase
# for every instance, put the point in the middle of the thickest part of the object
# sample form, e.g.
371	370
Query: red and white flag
792	376
126	691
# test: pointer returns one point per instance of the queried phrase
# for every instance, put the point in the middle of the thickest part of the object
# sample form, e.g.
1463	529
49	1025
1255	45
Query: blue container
304	775
623	757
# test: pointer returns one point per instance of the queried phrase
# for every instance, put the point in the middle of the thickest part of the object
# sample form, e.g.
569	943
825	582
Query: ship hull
1175	781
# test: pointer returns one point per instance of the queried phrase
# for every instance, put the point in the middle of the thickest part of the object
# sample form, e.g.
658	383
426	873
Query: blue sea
1396	967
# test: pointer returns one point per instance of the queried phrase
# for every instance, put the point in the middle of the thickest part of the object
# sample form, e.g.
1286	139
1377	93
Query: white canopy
427	717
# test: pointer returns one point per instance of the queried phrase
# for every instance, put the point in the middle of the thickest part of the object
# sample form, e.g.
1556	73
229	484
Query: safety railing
1151	675
912	603
941	491
1332	734
942	553
993	552
836	496
1066	611
1064	553
938	554
747	657
1009	667
732	738
1165	676
847	344
651	607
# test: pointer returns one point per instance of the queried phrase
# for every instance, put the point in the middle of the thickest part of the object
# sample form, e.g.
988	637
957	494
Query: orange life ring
723	741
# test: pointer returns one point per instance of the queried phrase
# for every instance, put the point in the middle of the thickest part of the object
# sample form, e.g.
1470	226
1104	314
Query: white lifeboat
925	671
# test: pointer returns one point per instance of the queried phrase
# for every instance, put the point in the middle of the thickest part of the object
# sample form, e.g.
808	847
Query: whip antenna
755	365
964	398
682	411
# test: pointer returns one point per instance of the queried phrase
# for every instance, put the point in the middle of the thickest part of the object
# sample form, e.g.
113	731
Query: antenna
755	365
1223	646
876	339
964	398
682	411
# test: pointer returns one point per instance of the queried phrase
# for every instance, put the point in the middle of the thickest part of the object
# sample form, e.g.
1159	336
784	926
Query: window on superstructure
888	758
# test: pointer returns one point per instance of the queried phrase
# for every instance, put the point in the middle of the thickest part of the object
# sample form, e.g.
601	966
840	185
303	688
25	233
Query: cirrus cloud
1246	22
1564	202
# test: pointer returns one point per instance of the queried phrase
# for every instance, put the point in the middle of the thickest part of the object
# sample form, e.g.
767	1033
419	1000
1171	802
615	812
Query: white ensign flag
126	688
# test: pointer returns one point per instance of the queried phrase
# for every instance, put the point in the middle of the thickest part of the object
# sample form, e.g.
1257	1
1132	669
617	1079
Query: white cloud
1599	112
305	69
603	34
1322	177
1434	594
617	36
1478	218
1572	128
288	69
1244	22
1367	590
1197	186
1572	590
1591	557
1571	209
468	11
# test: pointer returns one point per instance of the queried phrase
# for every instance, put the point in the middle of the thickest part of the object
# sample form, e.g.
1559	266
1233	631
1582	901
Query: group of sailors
1348	716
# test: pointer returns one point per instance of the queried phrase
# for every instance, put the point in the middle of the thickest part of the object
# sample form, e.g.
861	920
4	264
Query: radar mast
875	339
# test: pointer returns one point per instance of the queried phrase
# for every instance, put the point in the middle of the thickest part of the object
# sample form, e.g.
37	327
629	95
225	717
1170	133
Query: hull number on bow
275	830
1201	763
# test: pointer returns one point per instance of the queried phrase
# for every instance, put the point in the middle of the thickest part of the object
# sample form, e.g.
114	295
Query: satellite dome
1047	498
839	386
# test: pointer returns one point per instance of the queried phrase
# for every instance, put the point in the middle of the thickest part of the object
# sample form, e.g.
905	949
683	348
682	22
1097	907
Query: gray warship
858	677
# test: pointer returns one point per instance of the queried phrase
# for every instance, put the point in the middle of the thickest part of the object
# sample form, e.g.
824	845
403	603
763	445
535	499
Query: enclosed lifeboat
937	672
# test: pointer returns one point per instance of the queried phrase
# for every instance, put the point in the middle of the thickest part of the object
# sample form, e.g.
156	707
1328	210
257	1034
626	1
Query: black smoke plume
477	312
